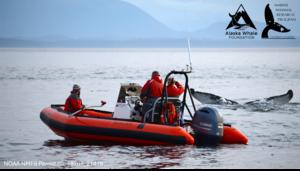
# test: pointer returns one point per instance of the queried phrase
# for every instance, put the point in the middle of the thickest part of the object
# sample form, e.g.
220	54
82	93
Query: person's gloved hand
144	99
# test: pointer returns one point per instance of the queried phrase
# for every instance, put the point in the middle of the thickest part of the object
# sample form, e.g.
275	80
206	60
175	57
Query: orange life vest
172	117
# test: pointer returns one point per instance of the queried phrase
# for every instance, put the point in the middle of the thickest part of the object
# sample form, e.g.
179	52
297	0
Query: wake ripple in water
264	107
269	107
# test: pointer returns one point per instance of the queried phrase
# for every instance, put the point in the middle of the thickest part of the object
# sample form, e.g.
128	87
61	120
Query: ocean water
32	79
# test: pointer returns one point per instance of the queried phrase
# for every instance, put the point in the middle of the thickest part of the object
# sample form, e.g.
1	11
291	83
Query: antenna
189	51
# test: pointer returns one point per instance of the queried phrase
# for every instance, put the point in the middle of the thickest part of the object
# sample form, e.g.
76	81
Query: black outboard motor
208	126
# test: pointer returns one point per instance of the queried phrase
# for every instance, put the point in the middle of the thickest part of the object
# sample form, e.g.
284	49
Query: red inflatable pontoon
126	126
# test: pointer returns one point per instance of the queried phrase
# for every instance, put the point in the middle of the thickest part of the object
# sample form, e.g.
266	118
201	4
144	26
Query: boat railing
152	111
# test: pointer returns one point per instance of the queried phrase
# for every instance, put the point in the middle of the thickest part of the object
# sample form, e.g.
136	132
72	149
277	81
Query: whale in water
208	98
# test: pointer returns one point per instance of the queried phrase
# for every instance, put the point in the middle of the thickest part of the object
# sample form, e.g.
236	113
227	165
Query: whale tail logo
271	24
235	19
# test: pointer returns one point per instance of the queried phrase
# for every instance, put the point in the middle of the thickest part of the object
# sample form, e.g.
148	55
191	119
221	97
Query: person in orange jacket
152	90
174	88
74	102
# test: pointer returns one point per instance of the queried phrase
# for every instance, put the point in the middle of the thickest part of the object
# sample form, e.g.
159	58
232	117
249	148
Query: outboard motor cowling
208	126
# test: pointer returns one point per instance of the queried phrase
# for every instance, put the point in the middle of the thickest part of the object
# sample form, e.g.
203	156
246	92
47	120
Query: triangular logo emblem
236	22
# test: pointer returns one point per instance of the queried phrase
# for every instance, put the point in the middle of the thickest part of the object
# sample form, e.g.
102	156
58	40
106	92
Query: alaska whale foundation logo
241	23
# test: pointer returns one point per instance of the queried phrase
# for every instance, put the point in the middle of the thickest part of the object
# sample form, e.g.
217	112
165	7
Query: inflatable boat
125	126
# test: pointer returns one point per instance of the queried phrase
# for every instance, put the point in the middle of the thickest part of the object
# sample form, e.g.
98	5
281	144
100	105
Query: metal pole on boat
189	51
85	108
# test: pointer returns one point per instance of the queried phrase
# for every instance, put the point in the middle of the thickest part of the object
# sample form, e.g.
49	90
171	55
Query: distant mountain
214	36
105	23
50	20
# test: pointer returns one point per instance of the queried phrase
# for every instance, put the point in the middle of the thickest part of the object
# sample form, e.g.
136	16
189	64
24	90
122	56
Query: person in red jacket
152	90
74	102
174	88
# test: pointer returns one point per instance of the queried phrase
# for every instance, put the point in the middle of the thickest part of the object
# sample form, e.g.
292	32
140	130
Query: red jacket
153	88
175	90
73	103
146	86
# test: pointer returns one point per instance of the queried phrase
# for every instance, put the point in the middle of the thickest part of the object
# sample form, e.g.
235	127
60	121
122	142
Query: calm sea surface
31	79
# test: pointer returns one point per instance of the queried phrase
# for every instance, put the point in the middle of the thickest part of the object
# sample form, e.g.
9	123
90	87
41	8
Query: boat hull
109	130
99	127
